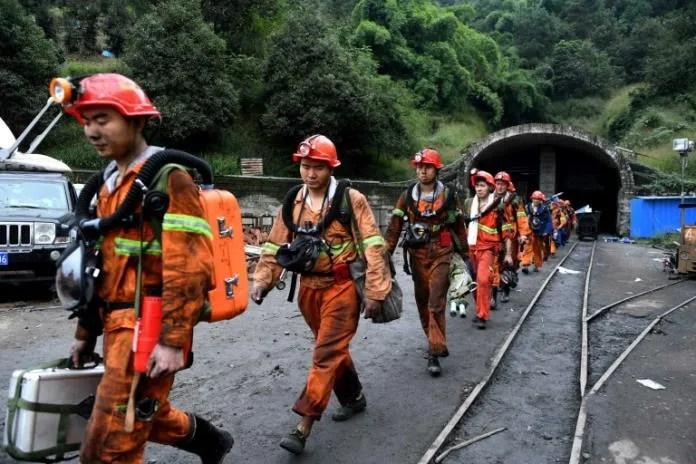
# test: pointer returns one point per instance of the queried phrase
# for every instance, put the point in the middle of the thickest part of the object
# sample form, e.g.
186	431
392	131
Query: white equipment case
47	411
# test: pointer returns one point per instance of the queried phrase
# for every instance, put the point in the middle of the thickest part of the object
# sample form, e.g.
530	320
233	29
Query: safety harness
418	231
300	255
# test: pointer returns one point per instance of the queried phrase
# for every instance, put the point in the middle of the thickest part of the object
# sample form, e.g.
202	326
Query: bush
184	67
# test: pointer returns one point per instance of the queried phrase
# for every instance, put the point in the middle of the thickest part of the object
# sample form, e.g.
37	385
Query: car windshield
33	194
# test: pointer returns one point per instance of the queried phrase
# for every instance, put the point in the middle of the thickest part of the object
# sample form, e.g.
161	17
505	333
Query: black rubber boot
434	368
207	441
505	295
348	410
494	298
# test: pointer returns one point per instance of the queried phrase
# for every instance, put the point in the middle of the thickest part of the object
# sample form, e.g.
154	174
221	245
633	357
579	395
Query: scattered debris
650	384
467	443
565	270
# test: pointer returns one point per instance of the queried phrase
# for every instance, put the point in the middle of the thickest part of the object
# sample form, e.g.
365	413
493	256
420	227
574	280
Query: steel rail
628	298
431	453
578	436
585	333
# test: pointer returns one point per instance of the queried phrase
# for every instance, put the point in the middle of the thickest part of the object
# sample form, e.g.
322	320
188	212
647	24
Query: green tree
580	70
536	31
245	24
448	65
672	55
314	84
28	61
185	68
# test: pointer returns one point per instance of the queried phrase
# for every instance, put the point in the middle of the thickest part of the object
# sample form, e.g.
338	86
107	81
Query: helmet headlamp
304	148
61	90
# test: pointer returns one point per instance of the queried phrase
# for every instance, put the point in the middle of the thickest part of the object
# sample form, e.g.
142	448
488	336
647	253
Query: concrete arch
556	158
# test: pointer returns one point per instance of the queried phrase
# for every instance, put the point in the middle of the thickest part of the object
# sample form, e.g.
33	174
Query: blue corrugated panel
652	216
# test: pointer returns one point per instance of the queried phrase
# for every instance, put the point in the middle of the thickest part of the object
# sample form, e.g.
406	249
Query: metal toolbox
47	410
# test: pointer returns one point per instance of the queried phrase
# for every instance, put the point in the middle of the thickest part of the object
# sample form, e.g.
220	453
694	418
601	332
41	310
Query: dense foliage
184	66
28	61
383	77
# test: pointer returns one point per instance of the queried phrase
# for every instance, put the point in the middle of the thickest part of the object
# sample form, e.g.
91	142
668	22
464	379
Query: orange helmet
503	176
317	147
110	89
483	175
427	156
537	195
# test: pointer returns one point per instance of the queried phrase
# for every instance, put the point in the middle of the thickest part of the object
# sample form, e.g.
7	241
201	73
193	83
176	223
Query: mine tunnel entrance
584	173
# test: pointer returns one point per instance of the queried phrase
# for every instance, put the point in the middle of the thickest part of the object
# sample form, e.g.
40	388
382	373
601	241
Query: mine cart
588	224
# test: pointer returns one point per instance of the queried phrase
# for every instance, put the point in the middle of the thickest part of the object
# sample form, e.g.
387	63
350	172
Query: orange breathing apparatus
147	332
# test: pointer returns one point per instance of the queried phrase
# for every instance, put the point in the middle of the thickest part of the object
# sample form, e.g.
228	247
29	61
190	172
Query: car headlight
44	233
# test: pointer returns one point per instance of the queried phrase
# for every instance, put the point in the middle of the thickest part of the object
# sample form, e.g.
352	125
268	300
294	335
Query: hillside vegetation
382	78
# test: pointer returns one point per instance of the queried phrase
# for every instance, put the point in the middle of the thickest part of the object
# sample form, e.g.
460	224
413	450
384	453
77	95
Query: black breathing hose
143	180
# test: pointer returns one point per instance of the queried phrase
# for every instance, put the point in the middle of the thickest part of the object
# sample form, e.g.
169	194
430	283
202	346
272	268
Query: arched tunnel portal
554	158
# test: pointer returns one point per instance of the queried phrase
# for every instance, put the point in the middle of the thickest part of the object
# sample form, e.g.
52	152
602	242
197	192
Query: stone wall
260	197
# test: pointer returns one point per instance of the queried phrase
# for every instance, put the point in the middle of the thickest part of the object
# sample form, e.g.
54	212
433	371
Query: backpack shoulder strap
288	202
411	206
340	210
160	184
336	211
450	192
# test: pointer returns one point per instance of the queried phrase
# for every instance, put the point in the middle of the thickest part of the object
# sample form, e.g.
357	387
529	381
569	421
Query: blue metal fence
652	216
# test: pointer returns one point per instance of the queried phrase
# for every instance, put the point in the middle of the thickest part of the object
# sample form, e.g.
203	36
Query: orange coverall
329	302
536	251
560	220
516	215
485	253
181	266
430	263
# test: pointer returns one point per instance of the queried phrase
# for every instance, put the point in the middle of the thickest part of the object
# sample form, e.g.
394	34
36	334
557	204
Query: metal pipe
39	138
7	154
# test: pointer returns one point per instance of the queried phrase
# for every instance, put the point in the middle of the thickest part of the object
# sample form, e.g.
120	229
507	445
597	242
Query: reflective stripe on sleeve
270	248
375	240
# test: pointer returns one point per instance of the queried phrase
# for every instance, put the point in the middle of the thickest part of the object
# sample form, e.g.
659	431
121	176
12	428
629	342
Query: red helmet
537	195
504	176
317	147
115	90
427	156
483	175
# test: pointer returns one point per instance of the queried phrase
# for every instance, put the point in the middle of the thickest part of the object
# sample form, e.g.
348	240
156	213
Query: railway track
532	404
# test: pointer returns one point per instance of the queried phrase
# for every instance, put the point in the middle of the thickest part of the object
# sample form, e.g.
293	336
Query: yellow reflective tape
488	230
375	240
186	223
398	212
128	247
270	247
340	248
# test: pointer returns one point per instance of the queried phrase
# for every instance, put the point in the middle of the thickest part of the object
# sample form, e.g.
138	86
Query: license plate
4	258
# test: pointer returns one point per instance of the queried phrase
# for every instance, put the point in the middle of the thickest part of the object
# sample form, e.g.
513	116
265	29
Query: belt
114	305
